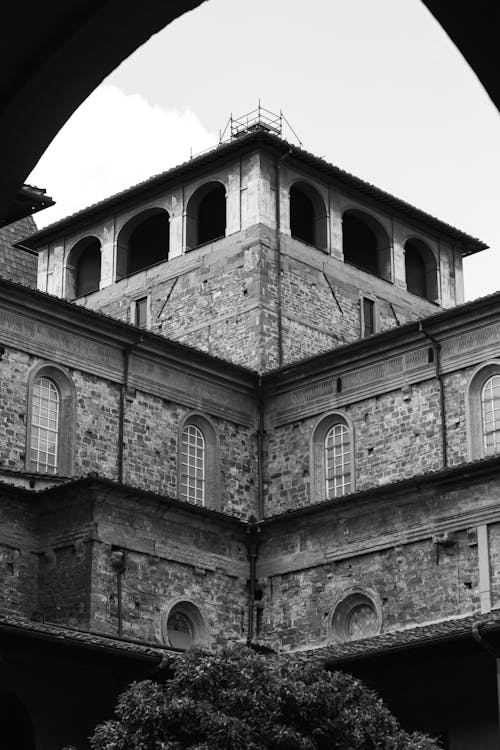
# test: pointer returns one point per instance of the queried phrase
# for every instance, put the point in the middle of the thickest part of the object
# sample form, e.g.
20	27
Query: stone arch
308	215
366	244
83	268
206	214
143	241
474	411
66	417
318	457
421	269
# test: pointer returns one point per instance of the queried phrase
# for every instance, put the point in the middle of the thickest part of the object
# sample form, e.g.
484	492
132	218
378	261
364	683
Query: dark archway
15	722
308	217
365	244
206	215
83	268
421	270
143	242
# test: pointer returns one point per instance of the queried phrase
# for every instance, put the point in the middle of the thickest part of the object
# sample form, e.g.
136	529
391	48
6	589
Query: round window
180	630
362	622
182	625
357	616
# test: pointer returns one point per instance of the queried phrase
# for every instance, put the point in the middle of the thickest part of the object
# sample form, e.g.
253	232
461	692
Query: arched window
206	215
337	461
421	270
198	465
143	242
490	412
45	409
193	465
365	244
482	402
51	421
332	472
83	268
308	218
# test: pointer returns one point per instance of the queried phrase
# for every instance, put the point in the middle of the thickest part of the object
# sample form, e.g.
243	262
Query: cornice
42	309
398	357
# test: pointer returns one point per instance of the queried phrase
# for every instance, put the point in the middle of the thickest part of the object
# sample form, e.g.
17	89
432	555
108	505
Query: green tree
239	700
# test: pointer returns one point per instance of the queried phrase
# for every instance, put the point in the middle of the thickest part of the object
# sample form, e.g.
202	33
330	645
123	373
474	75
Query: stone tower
257	252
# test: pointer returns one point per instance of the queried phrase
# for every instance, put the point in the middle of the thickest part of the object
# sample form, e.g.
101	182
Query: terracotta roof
258	137
130	489
401	640
17	625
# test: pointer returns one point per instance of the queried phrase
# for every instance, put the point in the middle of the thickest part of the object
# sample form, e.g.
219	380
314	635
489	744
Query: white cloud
113	141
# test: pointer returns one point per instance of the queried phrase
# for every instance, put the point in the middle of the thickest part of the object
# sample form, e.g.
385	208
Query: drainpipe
279	290
492	651
260	458
253	532
123	394
118	567
436	347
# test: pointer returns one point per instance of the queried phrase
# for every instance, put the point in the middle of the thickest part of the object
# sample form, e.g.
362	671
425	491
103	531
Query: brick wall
151	430
223	299
396	435
96	417
160	567
385	546
18	558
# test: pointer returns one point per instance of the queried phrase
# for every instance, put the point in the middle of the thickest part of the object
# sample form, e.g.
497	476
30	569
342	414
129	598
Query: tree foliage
239	700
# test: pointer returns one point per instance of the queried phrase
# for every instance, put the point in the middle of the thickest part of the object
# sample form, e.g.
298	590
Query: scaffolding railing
258	119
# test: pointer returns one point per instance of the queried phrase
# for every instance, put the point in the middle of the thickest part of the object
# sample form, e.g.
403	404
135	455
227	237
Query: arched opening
143	242
206	215
365	244
308	219
17	727
421	270
83	268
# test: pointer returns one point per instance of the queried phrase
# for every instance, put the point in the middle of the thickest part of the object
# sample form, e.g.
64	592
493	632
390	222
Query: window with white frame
332	458
45	409
51	418
199	476
337	461
490	410
193	469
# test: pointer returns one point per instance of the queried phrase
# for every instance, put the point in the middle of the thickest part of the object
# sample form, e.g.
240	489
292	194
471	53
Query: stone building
247	402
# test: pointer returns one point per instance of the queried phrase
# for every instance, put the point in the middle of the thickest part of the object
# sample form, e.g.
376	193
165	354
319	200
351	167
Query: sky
376	88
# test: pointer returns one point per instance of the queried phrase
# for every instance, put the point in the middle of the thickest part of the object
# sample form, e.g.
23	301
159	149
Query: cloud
113	141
